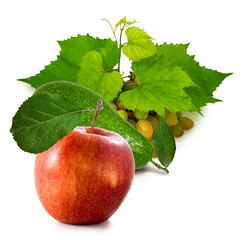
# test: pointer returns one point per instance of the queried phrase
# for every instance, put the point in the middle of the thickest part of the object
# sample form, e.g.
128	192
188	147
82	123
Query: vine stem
98	108
159	166
118	43
120	47
123	26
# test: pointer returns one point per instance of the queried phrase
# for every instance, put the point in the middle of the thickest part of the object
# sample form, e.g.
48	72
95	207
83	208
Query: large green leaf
66	67
207	80
93	75
139	44
44	119
160	85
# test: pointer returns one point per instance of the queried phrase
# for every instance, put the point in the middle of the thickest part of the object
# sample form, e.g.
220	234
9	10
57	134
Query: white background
205	195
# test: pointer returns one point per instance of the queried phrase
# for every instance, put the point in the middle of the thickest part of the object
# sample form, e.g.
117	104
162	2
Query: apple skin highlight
84	177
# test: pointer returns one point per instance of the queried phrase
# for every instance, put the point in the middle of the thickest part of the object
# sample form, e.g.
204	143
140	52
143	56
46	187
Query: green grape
179	115
113	106
122	113
130	86
132	122
145	127
170	118
153	121
187	123
177	130
119	104
140	114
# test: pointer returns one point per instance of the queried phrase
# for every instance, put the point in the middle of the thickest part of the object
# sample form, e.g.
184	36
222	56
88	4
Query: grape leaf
66	67
44	119
206	79
200	96
139	44
95	77
164	143
160	85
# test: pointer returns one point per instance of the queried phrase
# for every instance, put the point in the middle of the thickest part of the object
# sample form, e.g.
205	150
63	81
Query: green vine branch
124	24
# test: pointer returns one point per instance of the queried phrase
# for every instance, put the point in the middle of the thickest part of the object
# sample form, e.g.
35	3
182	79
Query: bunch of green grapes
146	122
178	123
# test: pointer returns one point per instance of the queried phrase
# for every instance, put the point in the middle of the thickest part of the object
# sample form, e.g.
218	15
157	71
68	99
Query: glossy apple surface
84	177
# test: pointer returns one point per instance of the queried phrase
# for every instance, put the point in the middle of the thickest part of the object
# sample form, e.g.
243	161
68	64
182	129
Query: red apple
85	176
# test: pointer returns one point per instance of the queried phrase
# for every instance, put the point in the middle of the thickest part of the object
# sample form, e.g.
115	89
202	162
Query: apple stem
98	108
159	166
